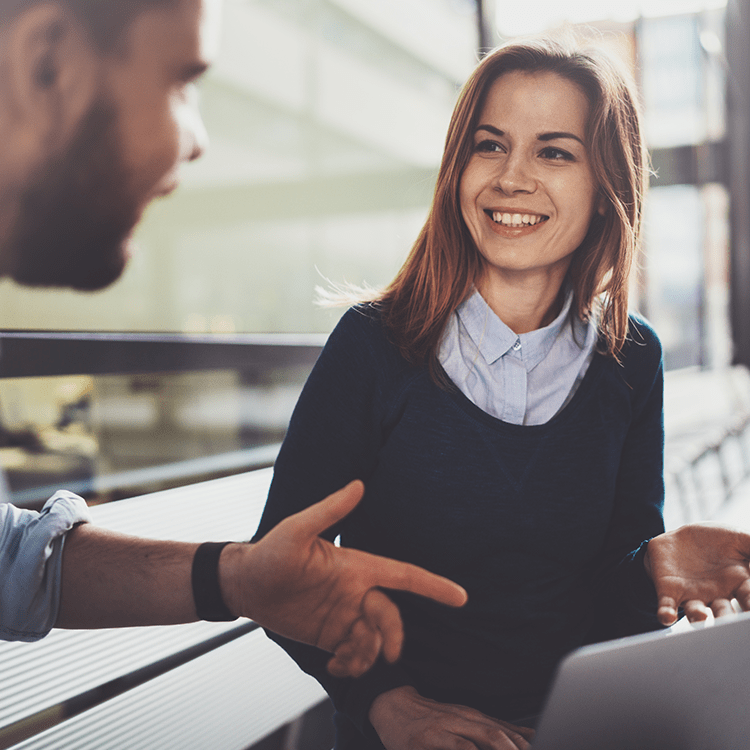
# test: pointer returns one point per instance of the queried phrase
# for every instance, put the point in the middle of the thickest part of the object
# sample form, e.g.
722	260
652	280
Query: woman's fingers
742	595
696	610
405	720
496	737
667	612
722	607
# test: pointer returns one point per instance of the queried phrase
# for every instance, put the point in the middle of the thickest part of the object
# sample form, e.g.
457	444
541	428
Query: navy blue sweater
543	525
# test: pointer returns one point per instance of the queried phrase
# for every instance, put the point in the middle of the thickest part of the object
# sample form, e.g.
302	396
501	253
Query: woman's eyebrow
491	129
555	135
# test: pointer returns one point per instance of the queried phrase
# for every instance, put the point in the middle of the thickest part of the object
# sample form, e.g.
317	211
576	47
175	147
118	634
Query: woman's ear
51	74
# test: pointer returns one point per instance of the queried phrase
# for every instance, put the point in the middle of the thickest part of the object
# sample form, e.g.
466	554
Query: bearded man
97	113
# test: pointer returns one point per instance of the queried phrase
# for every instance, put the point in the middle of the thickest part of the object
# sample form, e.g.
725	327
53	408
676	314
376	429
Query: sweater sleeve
31	546
627	598
334	436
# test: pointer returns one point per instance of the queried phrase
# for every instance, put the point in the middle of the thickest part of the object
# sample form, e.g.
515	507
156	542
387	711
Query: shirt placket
516	382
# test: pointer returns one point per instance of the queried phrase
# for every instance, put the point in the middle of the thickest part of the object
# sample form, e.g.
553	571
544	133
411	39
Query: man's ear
52	74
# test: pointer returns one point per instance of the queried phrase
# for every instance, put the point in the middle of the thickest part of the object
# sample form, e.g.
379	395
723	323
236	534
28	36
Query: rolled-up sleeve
31	545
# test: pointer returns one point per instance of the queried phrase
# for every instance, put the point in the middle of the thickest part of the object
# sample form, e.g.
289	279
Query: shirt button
517	345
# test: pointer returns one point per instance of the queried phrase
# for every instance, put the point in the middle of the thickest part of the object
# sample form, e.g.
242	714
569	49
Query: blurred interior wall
738	106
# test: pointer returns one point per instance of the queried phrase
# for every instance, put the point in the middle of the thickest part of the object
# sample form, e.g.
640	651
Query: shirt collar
494	339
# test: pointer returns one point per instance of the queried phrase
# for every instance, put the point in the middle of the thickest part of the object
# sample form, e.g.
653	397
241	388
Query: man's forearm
291	581
114	580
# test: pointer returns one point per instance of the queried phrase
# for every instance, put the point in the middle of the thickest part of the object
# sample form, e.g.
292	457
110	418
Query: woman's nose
515	176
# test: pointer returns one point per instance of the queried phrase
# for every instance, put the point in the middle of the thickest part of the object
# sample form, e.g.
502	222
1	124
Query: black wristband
209	603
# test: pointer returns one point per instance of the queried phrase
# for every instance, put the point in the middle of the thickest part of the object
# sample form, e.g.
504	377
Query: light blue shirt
522	379
31	546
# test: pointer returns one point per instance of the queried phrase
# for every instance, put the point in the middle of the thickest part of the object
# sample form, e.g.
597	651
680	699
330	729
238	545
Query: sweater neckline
593	374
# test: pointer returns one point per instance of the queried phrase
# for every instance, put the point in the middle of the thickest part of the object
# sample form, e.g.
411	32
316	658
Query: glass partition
202	410
326	121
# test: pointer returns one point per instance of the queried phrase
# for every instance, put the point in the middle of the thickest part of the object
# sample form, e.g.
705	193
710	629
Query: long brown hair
444	263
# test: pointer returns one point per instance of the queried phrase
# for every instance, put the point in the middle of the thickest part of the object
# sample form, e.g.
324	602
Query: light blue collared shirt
31	547
521	379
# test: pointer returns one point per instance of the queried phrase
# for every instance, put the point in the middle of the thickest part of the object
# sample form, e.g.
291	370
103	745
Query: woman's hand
405	720
697	567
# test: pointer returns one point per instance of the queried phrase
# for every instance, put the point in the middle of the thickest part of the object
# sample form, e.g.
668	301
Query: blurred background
326	120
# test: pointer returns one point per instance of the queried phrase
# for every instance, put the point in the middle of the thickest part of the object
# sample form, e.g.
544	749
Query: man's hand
697	567
404	720
305	588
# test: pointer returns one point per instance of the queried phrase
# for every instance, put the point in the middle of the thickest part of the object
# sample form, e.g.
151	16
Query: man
97	112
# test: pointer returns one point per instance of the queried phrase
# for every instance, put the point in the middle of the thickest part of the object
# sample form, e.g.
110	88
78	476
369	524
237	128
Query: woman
502	409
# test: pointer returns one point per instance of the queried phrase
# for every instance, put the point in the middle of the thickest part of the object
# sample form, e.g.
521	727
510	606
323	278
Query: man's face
77	214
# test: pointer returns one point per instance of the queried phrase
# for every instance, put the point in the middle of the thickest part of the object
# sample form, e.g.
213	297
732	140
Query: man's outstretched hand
305	588
699	567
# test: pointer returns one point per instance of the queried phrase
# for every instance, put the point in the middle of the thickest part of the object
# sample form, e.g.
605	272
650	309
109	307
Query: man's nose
196	136
193	133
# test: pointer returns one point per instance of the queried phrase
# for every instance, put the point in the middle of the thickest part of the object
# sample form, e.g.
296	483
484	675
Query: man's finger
316	519
390	574
358	652
667	612
382	572
382	614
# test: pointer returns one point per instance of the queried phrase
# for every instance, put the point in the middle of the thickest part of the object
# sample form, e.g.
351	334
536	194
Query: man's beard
75	217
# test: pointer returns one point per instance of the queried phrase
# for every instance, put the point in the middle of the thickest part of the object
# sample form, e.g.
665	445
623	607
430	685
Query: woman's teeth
516	220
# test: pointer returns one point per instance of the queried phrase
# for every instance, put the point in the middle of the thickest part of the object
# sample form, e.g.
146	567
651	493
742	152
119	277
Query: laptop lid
659	691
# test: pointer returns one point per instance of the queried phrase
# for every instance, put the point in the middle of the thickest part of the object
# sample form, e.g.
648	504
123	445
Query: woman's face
528	193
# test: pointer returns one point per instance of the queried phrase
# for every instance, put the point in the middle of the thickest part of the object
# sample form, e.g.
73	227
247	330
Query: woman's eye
556	154
487	146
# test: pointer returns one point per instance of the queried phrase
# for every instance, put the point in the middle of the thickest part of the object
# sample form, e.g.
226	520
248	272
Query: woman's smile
515	223
516	218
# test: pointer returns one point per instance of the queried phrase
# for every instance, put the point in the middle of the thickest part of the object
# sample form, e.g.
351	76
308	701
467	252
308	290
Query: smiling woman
528	193
570	93
501	407
505	414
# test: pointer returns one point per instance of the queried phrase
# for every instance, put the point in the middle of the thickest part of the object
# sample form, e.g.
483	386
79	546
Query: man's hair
106	20
444	263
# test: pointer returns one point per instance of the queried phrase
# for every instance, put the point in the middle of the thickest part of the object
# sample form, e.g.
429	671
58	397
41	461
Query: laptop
685	690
